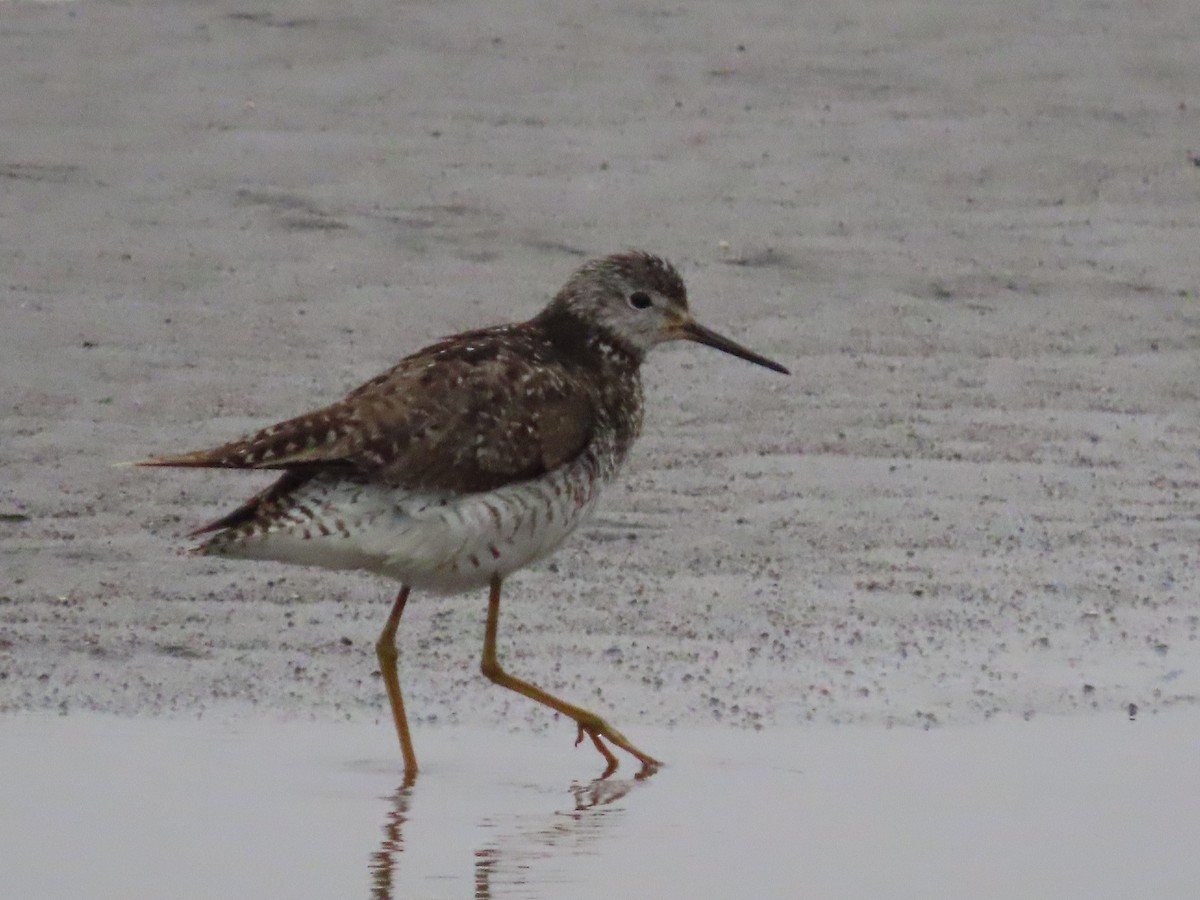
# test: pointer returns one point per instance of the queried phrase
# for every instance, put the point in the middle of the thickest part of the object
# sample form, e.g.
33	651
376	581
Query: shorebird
468	460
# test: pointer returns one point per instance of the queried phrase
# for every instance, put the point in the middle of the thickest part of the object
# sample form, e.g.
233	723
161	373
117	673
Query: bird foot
649	764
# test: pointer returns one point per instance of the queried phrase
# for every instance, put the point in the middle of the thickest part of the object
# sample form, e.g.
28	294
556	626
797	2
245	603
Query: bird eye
640	300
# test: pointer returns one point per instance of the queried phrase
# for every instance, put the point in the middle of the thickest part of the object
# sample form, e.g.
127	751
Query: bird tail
262	507
218	458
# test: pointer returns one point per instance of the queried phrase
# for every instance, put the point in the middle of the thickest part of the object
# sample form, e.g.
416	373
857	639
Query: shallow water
1083	807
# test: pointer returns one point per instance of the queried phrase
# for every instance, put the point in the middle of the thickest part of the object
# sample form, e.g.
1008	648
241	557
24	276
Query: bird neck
582	343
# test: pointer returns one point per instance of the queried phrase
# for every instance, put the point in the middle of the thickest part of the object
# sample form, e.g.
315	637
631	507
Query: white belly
437	542
463	543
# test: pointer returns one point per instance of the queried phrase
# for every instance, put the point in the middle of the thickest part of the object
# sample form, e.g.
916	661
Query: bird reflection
383	860
534	839
516	844
600	792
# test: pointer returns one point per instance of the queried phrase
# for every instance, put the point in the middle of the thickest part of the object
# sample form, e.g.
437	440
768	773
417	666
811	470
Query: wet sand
969	230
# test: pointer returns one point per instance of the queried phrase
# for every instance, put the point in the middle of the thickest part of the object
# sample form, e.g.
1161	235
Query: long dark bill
702	335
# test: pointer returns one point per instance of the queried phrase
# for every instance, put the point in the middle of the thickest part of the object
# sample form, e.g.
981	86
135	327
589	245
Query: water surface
105	807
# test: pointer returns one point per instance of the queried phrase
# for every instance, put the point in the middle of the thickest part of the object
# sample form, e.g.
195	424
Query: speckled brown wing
469	414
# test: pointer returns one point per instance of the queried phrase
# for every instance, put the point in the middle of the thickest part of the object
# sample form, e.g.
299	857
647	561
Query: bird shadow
516	843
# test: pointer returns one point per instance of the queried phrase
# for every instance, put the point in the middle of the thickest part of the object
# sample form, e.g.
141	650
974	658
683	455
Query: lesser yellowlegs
468	460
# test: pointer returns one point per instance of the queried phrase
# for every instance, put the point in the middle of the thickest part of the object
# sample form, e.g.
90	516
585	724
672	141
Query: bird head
639	300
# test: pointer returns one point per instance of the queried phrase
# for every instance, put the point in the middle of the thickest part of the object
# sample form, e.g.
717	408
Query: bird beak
691	331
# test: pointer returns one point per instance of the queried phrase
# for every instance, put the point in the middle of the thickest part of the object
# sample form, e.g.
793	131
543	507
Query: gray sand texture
971	231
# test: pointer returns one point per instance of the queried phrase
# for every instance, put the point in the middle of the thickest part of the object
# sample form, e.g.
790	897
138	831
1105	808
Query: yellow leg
385	649
589	723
